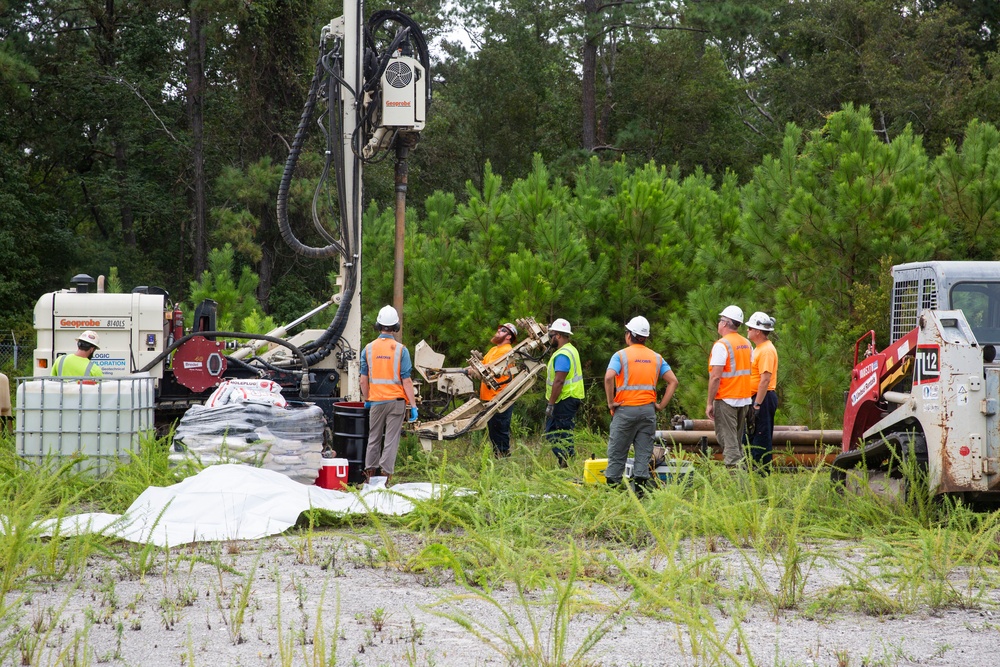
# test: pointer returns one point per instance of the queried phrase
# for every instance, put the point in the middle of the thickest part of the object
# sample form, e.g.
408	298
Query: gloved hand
751	422
413	414
368	404
549	409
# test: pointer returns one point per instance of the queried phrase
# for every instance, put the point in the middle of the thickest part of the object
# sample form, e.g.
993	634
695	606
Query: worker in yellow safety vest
630	386
80	363
729	387
387	391
563	392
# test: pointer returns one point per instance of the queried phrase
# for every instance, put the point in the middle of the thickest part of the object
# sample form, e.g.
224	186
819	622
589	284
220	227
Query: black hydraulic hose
348	246
303	380
416	36
376	78
321	347
286	178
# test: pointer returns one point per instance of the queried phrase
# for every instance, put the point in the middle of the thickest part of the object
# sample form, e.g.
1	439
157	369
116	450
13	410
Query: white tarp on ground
234	502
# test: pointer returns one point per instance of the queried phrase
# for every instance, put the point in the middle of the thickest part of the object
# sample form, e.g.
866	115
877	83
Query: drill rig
369	93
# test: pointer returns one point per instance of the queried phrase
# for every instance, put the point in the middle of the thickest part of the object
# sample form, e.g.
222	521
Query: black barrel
350	437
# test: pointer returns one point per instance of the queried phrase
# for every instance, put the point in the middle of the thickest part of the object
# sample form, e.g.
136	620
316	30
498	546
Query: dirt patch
329	599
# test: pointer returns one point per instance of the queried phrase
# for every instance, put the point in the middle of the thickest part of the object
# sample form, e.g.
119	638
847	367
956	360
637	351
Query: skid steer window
981	304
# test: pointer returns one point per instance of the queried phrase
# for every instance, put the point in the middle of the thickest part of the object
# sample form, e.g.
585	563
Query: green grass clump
532	541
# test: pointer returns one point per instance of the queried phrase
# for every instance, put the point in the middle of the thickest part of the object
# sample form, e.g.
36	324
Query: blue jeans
499	430
559	428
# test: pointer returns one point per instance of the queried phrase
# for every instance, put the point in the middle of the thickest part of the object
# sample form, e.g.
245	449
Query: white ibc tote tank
99	418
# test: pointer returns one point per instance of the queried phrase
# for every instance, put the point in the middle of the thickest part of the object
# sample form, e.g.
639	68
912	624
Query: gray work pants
730	423
631	425
384	418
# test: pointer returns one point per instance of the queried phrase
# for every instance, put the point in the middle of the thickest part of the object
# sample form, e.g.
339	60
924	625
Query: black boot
639	486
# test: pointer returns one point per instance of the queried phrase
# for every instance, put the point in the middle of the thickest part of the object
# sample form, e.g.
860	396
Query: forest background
588	160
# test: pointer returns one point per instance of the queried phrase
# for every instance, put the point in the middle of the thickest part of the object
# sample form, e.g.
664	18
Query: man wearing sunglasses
729	387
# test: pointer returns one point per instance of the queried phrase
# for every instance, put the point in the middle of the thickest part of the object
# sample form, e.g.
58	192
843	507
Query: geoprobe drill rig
372	81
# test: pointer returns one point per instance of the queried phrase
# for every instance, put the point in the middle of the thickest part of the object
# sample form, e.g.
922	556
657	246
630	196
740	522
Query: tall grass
695	553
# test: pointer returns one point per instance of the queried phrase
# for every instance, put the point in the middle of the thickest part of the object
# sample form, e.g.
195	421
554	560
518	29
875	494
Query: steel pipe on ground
709	425
781	438
791	448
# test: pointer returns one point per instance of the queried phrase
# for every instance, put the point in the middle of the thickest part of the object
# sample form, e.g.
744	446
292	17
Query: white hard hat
90	337
511	328
561	326
387	317
761	321
638	326
734	313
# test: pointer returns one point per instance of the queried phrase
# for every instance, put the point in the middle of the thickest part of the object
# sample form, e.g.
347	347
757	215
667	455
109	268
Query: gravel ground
305	600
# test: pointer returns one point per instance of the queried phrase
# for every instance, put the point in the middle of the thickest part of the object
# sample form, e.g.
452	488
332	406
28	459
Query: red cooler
333	474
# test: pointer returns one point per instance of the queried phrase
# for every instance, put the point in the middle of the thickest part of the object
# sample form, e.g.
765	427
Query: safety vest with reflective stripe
494	353
383	356
573	384
70	365
735	381
636	383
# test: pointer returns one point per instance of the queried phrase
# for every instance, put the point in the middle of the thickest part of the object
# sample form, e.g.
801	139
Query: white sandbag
288	440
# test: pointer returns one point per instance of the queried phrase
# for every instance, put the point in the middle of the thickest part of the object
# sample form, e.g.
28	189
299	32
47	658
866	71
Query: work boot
561	457
638	486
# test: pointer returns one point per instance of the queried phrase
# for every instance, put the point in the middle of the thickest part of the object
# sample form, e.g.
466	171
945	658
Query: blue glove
413	414
368	404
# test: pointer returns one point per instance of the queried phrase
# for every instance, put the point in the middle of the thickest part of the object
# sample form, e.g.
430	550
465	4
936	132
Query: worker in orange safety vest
729	387
388	394
630	386
498	425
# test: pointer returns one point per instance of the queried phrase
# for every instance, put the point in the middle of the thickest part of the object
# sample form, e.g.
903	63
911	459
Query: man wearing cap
729	387
630	386
563	392
79	364
387	389
763	380
499	424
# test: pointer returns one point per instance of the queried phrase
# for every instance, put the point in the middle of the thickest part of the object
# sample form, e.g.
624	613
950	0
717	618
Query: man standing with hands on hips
563	392
387	390
630	386
729	385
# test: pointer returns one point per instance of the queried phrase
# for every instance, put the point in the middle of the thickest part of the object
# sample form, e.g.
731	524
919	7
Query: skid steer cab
932	396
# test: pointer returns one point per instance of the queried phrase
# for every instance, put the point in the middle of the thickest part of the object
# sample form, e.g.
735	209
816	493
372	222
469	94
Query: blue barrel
350	437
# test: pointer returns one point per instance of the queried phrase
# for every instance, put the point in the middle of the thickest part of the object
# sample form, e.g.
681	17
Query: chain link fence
15	359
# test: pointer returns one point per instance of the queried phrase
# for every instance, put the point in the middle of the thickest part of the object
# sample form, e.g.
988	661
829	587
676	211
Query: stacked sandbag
263	392
246	424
